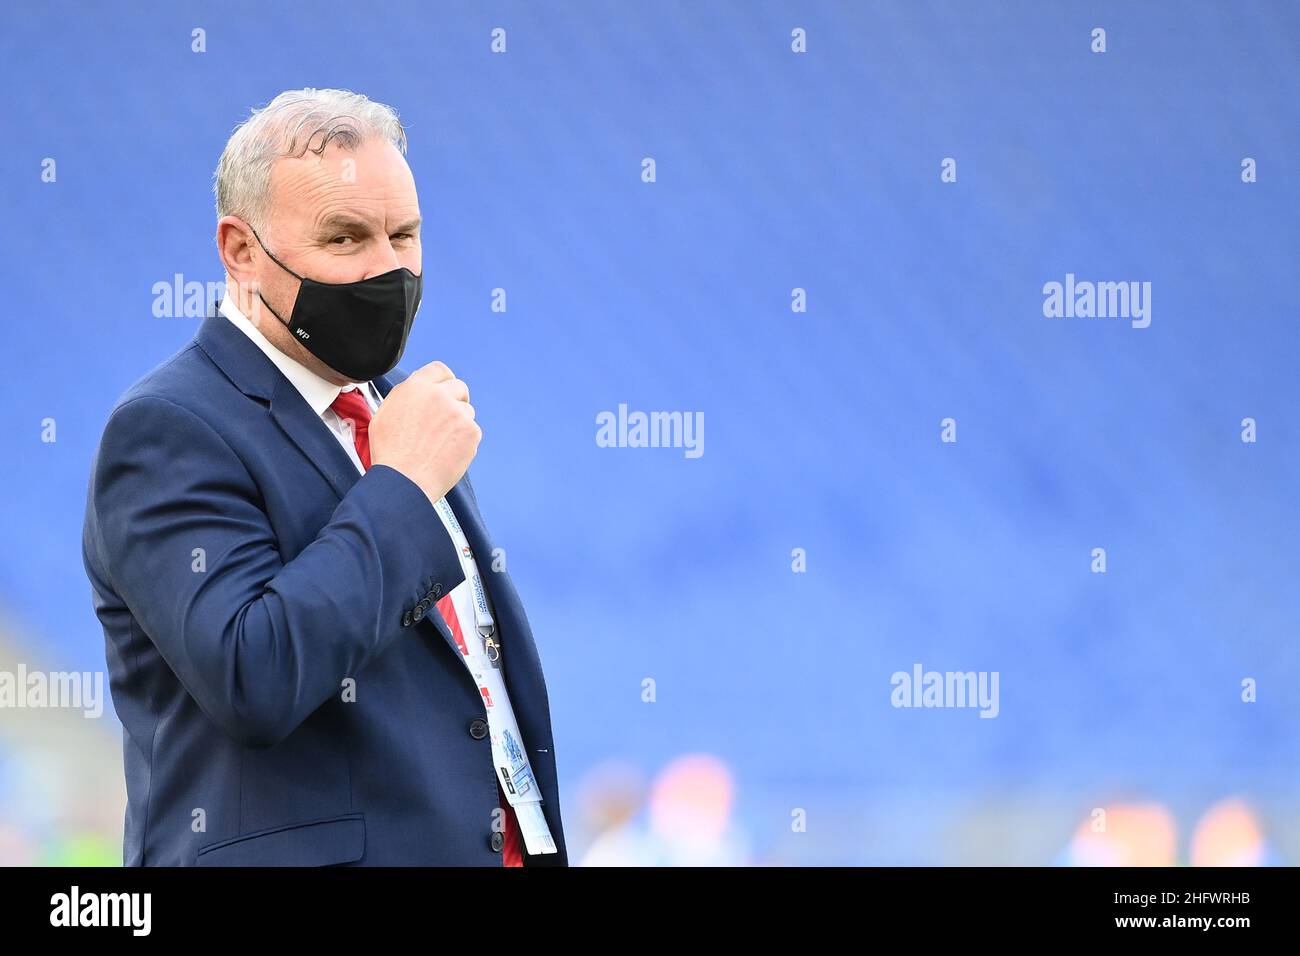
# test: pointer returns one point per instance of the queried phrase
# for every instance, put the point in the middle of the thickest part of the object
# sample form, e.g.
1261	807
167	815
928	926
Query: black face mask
359	329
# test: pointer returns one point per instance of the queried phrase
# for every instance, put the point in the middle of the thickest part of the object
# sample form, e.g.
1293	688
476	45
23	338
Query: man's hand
425	429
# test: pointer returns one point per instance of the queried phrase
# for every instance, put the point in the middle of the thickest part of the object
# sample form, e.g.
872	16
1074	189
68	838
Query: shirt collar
317	392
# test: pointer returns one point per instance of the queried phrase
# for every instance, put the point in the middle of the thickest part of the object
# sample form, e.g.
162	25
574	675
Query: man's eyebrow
343	220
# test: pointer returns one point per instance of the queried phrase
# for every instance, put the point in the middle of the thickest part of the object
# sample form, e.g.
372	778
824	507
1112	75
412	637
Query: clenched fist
425	429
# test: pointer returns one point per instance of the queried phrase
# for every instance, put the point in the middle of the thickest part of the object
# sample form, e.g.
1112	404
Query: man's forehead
345	183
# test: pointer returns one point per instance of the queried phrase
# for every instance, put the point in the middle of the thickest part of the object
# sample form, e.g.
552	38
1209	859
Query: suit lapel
309	432
256	376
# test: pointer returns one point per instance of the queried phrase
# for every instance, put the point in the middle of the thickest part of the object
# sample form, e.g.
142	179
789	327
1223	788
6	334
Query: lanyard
523	793
482	615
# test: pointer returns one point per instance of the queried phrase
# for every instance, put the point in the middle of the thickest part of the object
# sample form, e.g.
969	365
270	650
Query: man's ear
235	246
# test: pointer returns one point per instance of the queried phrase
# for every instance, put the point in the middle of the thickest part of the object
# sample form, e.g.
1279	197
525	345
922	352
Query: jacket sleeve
258	642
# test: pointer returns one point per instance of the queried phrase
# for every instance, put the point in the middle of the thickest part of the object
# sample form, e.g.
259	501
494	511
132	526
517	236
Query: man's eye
341	239
403	235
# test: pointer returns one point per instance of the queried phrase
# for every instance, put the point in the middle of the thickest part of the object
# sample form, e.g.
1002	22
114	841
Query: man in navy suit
314	655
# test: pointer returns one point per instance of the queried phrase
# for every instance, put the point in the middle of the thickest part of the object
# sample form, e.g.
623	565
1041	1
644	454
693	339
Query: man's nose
385	260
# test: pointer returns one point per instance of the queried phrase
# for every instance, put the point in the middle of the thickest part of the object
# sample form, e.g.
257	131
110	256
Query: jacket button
437	590
498	841
418	613
478	728
407	620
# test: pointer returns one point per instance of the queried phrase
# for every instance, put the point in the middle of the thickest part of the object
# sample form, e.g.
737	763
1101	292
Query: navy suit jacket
246	575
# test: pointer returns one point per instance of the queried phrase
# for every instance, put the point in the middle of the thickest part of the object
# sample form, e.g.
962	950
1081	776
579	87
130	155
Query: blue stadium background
775	170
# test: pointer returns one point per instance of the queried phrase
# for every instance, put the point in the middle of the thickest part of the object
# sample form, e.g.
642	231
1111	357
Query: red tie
352	406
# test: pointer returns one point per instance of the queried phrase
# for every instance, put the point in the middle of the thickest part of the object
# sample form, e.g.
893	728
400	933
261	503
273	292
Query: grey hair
289	125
